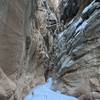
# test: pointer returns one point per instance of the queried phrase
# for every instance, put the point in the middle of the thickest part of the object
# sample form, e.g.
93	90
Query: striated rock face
42	38
78	51
20	47
11	34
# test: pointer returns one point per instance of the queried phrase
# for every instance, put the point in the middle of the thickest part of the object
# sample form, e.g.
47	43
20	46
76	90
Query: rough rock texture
11	34
42	38
7	86
20	47
77	60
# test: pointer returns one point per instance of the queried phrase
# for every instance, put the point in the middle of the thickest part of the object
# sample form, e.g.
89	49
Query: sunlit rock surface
77	53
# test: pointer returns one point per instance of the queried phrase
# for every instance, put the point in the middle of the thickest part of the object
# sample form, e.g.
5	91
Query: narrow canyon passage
42	39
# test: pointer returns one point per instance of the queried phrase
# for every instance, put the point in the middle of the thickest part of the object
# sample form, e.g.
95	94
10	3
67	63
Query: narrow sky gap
43	92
